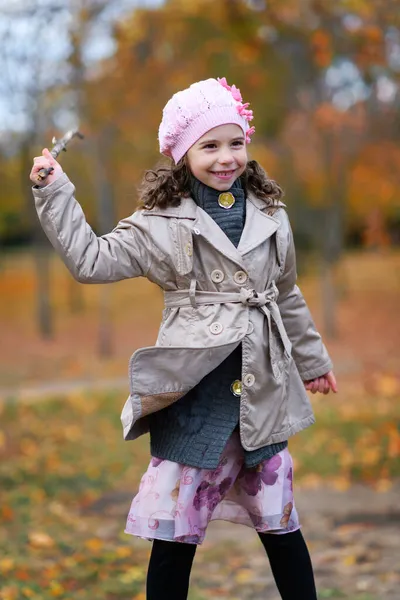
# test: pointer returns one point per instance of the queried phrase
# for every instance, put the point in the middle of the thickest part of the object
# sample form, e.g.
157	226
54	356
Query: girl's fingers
41	165
46	154
332	381
322	384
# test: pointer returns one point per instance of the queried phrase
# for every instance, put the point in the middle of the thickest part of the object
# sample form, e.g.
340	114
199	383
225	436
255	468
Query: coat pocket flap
168	370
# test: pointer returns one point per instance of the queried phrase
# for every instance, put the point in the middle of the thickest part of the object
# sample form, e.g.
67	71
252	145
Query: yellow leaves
388	386
40	539
349	560
346	457
82	403
37	495
94	544
310	481
134	574
29	447
56	589
6	513
394	441
123	551
51	573
6	564
53	462
383	485
244	575
10	592
370	456
73	433
340	483
2	440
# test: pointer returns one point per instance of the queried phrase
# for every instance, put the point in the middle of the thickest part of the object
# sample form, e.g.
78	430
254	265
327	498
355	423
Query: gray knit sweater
194	430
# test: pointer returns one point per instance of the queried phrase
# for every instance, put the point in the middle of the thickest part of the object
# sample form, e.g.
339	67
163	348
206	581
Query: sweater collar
207	197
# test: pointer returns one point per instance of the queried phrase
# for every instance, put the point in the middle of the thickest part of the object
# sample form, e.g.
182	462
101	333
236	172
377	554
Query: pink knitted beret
190	113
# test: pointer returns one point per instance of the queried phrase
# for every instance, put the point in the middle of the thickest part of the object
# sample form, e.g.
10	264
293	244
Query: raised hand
44	162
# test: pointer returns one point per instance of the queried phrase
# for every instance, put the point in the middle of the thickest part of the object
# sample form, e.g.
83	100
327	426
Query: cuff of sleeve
314	373
51	188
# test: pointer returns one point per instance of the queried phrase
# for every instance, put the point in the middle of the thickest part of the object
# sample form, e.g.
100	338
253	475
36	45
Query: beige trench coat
216	297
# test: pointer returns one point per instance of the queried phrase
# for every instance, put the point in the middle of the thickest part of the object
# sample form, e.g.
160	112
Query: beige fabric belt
265	301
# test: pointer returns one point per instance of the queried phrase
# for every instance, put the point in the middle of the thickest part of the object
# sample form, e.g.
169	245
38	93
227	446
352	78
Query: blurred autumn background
323	80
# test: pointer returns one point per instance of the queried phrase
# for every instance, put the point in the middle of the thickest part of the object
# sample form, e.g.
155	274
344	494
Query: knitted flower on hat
189	114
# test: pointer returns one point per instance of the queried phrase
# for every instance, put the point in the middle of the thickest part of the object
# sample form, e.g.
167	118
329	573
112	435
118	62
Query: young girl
224	387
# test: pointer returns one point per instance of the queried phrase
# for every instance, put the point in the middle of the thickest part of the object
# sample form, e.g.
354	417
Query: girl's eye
238	143
209	146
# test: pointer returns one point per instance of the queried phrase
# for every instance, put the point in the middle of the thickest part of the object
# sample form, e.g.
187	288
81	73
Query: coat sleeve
121	254
309	353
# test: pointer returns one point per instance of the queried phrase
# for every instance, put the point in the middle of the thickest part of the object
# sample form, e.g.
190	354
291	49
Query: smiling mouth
224	173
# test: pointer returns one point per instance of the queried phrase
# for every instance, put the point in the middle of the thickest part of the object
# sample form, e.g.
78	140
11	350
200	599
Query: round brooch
226	200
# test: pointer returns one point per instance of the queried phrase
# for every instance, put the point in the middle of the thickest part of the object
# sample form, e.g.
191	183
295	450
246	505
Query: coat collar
258	226
186	210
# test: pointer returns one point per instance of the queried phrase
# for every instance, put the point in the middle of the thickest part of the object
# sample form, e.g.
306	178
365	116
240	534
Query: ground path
353	536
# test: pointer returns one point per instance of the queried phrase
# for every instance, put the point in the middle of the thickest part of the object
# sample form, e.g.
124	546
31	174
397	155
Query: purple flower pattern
251	480
290	477
210	494
184	499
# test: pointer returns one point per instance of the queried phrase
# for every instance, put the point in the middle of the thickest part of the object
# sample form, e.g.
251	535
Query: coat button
240	277
249	379
216	328
217	276
250	328
189	249
236	387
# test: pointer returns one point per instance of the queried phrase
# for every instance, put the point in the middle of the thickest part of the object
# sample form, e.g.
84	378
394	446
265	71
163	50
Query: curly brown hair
166	185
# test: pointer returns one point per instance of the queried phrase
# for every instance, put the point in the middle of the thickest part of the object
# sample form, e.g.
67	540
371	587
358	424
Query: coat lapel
258	226
206	227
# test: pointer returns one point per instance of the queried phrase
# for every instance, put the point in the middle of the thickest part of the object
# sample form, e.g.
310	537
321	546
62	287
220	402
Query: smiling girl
225	385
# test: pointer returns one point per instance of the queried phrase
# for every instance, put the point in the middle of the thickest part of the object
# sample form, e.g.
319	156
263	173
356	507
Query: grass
67	477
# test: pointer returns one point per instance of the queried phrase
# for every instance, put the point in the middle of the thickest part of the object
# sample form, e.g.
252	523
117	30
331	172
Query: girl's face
219	157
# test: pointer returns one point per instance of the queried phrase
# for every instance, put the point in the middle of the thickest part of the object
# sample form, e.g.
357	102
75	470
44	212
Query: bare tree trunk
41	252
328	299
105	322
42	258
102	152
76	300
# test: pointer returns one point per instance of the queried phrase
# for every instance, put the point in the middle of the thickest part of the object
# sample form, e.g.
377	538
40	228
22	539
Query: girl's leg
169	570
291	565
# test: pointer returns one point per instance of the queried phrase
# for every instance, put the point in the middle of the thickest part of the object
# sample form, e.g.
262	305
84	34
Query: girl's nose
226	158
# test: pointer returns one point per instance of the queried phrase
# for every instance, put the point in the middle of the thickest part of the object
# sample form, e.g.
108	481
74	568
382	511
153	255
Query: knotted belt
264	301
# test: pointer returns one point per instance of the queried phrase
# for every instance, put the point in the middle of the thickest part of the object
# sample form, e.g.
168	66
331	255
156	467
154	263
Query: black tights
171	563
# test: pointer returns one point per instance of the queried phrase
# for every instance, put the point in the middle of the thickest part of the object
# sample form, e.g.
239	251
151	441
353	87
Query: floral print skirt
176	502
